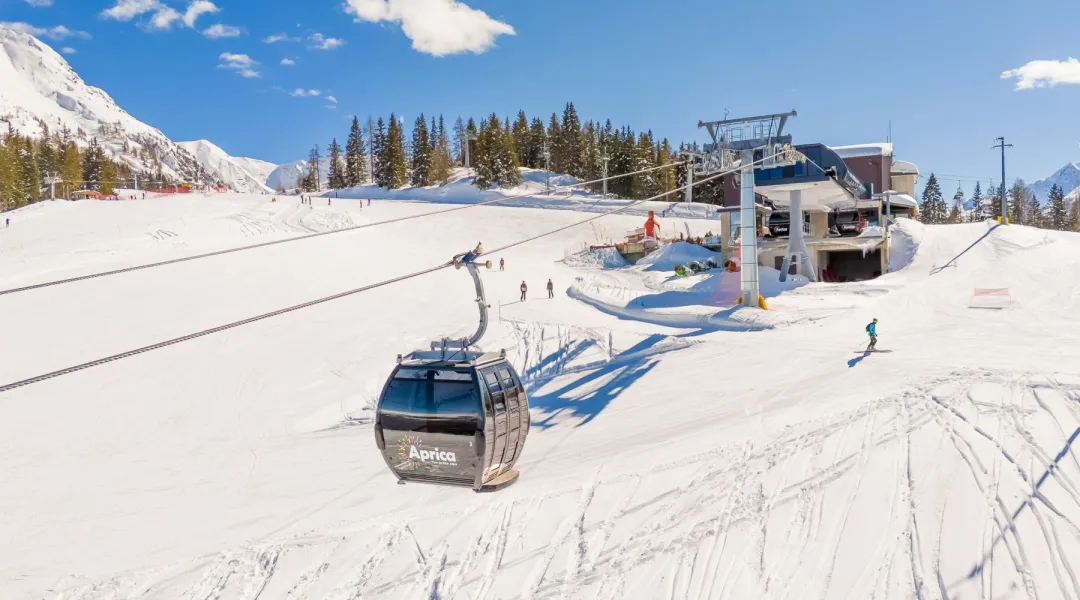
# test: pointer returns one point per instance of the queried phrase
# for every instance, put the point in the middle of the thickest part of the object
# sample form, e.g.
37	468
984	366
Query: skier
7	222
550	289
524	288
871	330
502	264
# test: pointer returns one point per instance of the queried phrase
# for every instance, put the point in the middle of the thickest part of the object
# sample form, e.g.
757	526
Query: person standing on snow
550	289
502	264
871	330
524	288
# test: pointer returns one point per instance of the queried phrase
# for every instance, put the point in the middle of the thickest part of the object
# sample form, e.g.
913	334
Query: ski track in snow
722	479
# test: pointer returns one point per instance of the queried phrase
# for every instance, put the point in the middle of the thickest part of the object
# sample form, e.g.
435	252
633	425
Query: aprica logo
412	453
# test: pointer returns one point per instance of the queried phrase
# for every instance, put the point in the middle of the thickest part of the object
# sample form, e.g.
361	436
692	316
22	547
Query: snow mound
600	258
905	237
677	253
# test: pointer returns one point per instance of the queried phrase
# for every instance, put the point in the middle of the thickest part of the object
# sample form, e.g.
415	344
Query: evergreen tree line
1024	208
498	149
26	162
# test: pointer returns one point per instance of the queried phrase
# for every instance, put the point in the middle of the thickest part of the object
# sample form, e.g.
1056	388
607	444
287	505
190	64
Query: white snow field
686	458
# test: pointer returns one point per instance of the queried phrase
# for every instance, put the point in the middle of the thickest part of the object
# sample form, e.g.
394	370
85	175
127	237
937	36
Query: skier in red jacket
524	288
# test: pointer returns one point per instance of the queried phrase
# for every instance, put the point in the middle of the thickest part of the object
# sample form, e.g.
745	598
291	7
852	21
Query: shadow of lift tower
736	140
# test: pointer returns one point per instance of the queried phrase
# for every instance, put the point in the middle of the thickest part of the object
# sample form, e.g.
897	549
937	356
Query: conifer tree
441	163
666	176
378	154
108	178
421	156
497	164
534	156
554	136
932	210
7	173
566	156
456	146
91	164
1059	214
1074	215
977	208
355	156
71	167
1019	203
336	176
520	133
394	165
314	172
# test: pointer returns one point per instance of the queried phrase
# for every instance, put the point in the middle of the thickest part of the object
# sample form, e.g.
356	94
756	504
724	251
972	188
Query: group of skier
525	288
475	253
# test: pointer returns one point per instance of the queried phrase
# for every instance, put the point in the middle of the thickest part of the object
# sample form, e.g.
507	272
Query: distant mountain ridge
41	93
1067	178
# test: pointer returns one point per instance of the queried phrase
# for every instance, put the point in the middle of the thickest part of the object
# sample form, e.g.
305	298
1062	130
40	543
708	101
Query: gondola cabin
454	418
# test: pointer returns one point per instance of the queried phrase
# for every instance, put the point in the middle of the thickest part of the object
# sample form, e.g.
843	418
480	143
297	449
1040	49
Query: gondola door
513	415
498	404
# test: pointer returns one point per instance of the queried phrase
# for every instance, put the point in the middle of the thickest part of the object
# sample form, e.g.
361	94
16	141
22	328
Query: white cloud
320	42
302	93
221	31
68	50
164	17
40	3
331	99
197	8
331	106
280	37
287	62
241	63
57	33
126	10
436	27
1045	73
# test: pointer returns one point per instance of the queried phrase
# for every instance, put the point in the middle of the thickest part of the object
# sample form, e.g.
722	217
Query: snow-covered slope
259	169
228	170
1067	178
39	89
288	175
672	460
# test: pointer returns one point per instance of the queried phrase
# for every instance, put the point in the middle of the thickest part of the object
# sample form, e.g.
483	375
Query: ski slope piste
680	447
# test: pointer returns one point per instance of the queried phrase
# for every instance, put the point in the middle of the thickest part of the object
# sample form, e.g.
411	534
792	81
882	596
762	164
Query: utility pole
1001	144
605	159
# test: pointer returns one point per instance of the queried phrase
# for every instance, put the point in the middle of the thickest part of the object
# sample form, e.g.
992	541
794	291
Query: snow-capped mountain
259	169
41	92
1067	178
233	172
288	175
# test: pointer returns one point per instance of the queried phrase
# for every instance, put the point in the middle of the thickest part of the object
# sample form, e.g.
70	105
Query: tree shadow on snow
580	399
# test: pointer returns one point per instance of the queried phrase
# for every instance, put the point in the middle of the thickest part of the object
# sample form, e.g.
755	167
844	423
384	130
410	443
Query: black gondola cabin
456	419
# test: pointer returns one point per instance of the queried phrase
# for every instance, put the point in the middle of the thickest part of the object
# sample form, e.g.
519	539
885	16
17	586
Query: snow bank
906	235
600	258
677	253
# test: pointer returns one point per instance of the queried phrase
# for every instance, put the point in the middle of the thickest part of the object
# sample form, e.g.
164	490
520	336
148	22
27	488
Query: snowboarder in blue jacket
871	329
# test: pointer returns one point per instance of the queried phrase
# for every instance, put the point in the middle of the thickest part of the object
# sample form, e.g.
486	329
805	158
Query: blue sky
934	68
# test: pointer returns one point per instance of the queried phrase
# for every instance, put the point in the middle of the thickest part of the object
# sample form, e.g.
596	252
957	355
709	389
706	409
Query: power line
234	324
308	236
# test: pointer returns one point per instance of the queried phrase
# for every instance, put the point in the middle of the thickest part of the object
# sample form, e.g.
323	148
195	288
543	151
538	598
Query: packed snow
667	459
